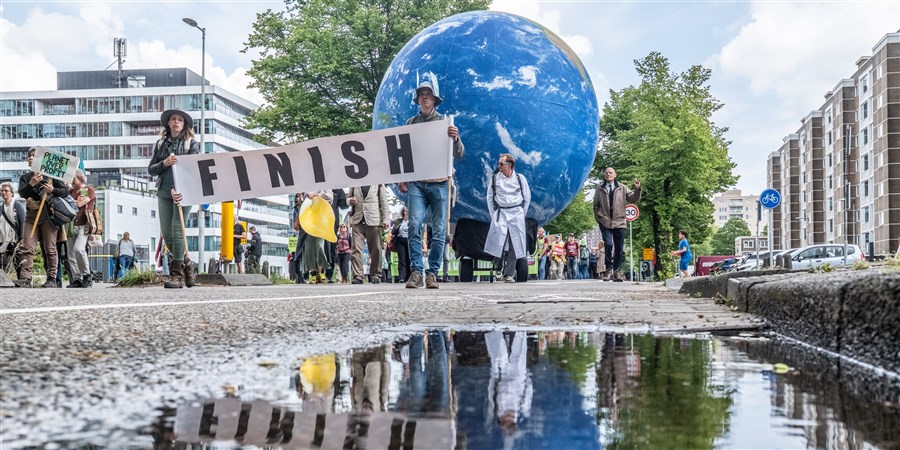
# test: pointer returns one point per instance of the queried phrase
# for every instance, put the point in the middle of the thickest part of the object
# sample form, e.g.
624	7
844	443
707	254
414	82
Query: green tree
723	240
577	218
321	61
661	132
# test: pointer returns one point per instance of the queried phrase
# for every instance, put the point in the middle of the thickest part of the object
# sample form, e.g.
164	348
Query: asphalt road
80	361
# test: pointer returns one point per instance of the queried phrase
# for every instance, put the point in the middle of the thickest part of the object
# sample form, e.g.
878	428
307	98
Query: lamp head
190	22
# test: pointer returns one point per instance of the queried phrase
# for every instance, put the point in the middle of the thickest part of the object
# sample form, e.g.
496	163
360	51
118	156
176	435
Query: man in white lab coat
508	197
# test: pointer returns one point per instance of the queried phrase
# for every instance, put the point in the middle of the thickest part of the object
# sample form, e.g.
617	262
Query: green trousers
170	226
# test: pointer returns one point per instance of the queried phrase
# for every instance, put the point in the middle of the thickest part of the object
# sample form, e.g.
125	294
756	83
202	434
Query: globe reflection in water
513	87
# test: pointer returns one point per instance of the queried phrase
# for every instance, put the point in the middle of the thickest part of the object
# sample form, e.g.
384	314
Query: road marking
199	302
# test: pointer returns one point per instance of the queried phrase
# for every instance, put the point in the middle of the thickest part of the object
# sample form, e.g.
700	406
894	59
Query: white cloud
798	51
551	19
46	42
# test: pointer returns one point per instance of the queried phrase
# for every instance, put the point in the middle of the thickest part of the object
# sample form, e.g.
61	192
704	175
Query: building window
152	213
866	214
133	211
830	204
119	209
830	225
830	158
748	244
866	162
866	188
830	182
865	136
865	109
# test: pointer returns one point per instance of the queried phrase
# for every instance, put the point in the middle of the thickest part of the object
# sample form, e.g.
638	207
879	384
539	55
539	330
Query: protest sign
54	164
401	154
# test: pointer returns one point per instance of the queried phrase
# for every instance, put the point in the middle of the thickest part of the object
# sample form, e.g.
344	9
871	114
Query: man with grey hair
12	227
610	198
508	198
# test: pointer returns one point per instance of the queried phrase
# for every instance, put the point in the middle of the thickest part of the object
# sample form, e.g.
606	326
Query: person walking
338	202
428	195
12	231
76	244
508	198
683	252
238	237
369	216
312	255
254	251
542	247
176	139
584	256
557	258
601	261
32	187
571	258
400	238
610	198
124	254
344	246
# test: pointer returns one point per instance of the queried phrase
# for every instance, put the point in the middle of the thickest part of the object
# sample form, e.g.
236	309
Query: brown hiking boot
190	278
415	280
176	271
431	281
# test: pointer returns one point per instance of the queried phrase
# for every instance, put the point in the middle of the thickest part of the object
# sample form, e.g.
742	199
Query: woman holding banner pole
176	139
33	187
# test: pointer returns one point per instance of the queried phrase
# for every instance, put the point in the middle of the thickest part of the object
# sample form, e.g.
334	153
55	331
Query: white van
833	254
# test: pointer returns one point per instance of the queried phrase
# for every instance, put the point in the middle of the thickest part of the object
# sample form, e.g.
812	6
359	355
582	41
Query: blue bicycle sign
770	198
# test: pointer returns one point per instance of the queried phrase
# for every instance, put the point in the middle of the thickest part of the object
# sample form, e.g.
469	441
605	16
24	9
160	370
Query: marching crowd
418	236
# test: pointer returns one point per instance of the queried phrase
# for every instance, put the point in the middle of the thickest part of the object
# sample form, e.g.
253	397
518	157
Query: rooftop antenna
120	51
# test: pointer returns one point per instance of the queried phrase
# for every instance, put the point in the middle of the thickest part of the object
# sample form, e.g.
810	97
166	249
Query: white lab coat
507	220
510	388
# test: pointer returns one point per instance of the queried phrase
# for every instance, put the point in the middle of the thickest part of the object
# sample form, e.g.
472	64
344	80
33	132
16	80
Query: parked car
832	254
749	261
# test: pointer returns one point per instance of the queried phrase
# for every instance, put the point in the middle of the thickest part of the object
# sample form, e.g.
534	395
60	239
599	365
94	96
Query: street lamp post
200	212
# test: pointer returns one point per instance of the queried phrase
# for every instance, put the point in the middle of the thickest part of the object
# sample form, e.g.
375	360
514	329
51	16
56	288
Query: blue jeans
571	268
124	264
583	270
430	197
542	267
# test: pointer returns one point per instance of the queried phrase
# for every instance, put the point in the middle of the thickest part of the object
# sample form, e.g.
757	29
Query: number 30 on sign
631	212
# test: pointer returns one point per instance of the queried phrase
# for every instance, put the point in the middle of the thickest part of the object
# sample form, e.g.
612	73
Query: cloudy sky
772	61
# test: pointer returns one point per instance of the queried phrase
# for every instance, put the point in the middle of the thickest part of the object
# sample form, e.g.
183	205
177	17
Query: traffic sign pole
631	214
770	199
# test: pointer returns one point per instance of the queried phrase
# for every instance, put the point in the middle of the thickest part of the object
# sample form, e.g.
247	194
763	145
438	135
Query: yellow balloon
317	373
318	220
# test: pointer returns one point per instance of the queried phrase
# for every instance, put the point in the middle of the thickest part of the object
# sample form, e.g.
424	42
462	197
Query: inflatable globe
513	87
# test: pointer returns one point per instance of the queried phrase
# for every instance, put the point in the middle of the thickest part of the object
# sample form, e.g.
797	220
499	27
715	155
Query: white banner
54	164
408	153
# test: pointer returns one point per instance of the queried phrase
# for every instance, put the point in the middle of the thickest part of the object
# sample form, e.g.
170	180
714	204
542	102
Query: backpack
497	206
62	210
585	253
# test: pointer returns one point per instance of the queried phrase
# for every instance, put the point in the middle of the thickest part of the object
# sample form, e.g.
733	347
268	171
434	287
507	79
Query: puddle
561	390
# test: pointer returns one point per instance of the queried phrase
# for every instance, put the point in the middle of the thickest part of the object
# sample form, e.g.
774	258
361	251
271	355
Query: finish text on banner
393	155
54	164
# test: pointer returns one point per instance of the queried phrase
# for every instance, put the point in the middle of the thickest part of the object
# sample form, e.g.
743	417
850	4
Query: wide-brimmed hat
428	81
164	118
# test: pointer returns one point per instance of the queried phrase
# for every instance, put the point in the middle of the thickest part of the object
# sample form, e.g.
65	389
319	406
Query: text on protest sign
393	155
55	164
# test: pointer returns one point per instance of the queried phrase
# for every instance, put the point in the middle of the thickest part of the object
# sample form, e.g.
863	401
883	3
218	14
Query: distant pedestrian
12	230
344	246
400	239
312	256
558	258
125	254
240	234
508	198
584	256
571	258
369	216
610	198
684	252
254	251
542	251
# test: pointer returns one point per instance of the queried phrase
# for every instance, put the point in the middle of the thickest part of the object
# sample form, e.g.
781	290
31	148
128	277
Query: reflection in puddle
518	389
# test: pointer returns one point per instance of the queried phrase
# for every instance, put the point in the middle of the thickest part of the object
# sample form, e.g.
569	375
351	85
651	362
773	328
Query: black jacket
255	244
35	193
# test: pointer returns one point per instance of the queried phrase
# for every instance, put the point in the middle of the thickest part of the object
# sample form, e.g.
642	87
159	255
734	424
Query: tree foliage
577	218
661	132
723	240
321	61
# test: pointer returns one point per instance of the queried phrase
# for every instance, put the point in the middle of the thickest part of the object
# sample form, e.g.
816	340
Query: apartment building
847	163
110	119
734	204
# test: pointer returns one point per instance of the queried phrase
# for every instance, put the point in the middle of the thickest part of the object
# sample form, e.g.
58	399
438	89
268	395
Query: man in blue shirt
684	249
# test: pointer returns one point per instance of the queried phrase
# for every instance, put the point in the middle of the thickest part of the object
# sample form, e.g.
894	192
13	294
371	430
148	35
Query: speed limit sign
631	212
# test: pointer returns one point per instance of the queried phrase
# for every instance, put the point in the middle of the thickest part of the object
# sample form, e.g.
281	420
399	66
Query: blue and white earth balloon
513	87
